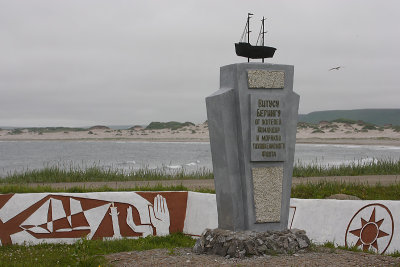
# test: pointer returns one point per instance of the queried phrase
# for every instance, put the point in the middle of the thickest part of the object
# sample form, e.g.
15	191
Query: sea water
19	156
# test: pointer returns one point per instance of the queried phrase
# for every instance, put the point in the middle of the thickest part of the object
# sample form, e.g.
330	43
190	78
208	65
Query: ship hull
254	52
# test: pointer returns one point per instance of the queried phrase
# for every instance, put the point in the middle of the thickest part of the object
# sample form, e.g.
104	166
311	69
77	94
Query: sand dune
336	133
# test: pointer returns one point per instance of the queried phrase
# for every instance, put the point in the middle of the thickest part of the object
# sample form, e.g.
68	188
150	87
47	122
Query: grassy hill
173	125
375	116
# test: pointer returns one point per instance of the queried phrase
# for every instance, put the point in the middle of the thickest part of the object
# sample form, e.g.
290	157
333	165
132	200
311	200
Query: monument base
232	244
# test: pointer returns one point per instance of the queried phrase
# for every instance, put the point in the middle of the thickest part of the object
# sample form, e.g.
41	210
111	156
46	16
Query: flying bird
336	68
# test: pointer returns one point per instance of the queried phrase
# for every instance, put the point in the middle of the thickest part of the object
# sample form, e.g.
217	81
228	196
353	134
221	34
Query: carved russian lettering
267	128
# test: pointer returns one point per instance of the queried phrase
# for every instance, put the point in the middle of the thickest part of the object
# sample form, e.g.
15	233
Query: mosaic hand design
159	215
144	229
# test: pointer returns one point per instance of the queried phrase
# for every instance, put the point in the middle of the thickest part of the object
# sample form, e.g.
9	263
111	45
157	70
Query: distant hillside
173	125
375	116
99	127
52	129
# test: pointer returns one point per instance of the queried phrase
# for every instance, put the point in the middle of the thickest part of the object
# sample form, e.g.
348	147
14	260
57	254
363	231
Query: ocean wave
388	148
127	162
174	166
368	161
193	163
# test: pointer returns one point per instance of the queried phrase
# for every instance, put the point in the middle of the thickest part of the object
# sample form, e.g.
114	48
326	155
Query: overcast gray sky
87	62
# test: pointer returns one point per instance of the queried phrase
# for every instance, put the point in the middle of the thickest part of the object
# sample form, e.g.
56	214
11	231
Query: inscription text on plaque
267	128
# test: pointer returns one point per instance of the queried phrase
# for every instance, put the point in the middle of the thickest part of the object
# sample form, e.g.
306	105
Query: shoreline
323	133
313	140
170	140
350	141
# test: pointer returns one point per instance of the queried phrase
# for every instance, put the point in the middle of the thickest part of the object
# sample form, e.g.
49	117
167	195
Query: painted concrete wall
367	224
66	217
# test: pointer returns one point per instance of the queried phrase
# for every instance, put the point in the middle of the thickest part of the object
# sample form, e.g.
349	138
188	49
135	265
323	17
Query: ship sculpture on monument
245	49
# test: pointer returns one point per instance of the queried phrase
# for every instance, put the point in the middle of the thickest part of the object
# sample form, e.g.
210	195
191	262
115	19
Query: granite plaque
266	79
267	186
267	128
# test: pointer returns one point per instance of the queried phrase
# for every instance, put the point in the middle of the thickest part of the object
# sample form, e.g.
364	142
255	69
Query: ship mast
263	32
248	30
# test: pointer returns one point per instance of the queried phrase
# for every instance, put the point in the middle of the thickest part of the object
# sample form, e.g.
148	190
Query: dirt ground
185	257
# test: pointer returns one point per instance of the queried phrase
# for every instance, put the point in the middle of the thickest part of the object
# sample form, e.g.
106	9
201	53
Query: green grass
68	174
173	125
375	167
375	116
306	191
343	120
363	191
21	188
317	131
15	131
333	246
85	252
59	174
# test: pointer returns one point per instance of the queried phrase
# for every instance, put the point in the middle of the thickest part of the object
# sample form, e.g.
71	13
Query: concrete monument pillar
252	121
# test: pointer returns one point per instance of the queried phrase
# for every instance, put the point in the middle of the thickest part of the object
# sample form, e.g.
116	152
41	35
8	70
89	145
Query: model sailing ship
245	49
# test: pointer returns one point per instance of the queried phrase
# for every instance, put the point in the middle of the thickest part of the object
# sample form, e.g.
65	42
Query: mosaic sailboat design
51	220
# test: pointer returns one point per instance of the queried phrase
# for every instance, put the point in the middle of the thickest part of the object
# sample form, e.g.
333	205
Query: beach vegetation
173	125
85	252
356	168
330	126
363	191
376	116
307	190
99	127
15	131
74	173
26	188
54	129
317	131
95	173
345	121
369	126
302	125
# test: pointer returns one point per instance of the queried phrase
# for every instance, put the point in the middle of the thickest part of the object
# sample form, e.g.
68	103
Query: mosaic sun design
369	232
376	233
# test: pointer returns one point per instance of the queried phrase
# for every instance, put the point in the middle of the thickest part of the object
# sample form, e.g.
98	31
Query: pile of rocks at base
231	244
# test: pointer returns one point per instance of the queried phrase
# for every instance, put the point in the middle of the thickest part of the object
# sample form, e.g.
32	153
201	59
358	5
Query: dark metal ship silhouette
245	49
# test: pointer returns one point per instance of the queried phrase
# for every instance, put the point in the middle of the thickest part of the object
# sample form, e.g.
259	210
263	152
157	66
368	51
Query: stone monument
252	121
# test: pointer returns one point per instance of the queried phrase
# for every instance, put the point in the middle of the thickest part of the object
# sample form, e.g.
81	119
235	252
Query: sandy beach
326	133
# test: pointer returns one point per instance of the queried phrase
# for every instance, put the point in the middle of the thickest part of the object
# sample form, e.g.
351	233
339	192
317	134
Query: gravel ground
185	257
